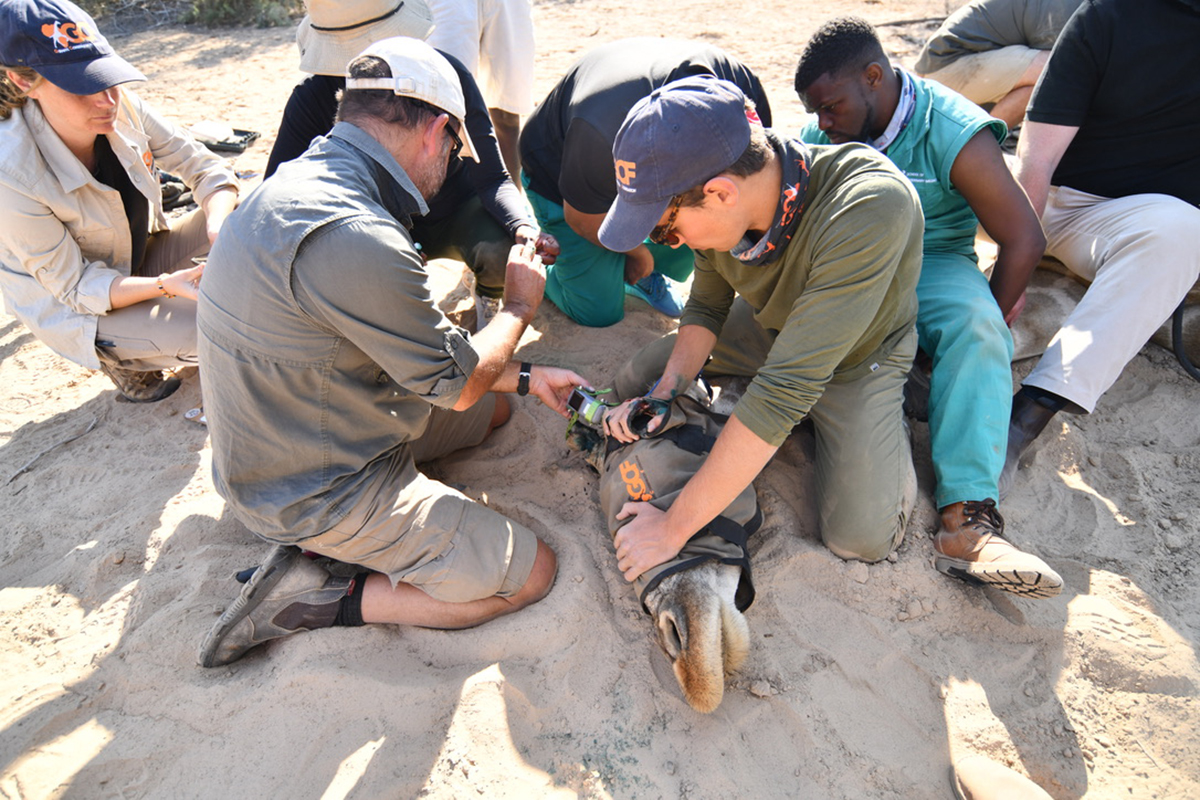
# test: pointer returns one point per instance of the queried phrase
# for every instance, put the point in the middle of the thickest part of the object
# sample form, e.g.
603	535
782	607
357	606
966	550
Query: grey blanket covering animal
697	597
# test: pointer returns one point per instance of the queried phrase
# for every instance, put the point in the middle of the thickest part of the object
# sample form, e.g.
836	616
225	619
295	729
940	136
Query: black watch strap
523	378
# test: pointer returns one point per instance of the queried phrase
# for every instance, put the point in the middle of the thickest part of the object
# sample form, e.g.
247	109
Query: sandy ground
862	681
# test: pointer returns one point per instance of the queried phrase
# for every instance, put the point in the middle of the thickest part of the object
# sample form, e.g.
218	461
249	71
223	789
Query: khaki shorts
988	76
418	531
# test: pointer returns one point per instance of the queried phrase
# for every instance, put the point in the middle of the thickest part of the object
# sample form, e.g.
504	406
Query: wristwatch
523	378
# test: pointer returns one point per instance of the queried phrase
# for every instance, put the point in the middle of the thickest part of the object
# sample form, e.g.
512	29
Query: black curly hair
839	44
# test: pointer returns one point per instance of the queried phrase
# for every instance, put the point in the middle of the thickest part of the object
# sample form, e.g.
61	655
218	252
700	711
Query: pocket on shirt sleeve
465	358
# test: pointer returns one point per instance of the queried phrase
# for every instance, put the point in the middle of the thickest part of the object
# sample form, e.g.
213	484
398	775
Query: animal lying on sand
696	599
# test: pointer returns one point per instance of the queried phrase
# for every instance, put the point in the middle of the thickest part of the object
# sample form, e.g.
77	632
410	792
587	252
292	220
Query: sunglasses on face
456	144
662	233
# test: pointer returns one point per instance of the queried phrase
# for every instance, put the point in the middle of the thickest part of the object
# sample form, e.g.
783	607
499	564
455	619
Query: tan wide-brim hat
333	32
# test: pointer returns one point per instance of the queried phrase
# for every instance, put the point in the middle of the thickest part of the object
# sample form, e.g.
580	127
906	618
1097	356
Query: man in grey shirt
992	51
329	372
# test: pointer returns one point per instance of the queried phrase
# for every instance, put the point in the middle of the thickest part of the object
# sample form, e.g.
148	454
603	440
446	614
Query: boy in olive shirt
806	268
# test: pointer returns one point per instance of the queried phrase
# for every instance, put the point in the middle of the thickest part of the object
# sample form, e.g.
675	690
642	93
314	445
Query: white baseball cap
420	72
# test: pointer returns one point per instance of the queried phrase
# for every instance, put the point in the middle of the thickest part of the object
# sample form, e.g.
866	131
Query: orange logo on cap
65	35
626	171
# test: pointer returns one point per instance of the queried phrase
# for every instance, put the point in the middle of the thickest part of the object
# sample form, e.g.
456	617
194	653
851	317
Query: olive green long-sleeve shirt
838	299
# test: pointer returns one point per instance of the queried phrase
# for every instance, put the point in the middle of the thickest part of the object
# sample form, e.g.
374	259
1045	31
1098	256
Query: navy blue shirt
310	113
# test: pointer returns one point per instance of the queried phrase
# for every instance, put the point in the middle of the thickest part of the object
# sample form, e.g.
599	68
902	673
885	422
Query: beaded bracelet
162	288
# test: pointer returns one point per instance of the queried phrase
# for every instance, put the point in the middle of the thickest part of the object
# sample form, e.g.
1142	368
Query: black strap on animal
689	437
694	553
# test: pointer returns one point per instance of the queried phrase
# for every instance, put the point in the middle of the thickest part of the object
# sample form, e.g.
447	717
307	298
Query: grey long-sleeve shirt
322	351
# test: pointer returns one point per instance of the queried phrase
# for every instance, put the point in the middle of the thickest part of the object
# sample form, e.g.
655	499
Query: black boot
1032	410
136	386
916	388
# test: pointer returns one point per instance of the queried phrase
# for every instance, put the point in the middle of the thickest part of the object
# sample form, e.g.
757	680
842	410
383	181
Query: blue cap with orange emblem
60	41
680	136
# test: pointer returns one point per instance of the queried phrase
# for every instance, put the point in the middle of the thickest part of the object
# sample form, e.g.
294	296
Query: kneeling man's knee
872	534
541	577
501	413
852	549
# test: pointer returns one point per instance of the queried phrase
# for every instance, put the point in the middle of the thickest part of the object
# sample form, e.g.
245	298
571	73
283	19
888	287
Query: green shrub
260	13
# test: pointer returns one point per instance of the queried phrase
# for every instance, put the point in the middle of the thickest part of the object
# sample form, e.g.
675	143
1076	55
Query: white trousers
1142	256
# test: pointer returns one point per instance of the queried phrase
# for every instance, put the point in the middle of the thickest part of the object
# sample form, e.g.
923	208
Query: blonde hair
11	95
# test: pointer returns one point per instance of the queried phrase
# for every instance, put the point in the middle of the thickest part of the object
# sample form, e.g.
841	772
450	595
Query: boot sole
265	578
1015	580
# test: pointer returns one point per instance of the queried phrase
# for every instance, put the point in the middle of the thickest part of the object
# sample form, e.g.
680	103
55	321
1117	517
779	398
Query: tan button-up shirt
64	236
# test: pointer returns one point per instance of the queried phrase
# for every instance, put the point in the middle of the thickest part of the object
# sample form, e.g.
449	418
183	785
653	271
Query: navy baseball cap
60	41
680	136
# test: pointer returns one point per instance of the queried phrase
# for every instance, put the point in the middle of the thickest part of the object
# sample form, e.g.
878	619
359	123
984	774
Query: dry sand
862	681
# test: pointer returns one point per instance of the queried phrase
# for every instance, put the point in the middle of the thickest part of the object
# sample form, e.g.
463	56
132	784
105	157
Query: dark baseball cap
60	41
680	136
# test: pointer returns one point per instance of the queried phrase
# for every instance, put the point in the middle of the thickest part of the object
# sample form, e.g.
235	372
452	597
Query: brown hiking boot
140	387
970	547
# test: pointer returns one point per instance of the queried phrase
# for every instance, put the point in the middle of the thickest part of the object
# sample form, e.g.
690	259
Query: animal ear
673	634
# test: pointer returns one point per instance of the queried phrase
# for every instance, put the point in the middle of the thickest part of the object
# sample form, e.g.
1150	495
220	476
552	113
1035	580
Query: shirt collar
68	170
360	140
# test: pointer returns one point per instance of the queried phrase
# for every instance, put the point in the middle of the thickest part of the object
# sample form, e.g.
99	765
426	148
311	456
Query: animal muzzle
700	629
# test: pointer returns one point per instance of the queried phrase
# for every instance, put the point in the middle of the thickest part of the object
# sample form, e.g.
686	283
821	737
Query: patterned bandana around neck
903	115
794	158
